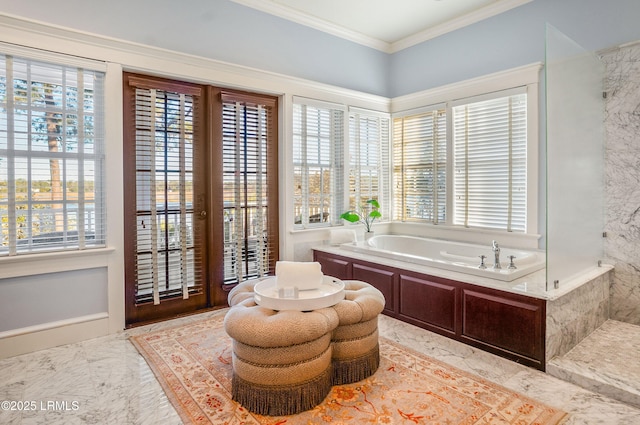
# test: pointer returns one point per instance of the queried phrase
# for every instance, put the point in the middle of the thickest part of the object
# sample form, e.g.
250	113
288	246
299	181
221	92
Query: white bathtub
455	256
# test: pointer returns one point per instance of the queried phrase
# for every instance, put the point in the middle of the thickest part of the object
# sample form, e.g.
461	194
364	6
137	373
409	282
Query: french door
165	198
200	194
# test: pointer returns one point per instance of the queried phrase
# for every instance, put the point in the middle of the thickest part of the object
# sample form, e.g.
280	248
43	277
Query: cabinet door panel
333	266
512	324
430	303
381	279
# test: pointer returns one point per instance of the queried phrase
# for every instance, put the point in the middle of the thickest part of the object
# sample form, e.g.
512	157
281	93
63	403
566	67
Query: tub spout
496	253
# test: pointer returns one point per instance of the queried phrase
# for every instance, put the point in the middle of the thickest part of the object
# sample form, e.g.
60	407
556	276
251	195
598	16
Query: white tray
266	294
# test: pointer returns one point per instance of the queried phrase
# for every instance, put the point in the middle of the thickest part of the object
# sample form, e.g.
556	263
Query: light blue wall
43	298
227	31
221	30
511	39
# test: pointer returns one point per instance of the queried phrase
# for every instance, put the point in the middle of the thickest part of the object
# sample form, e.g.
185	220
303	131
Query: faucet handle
482	266
511	265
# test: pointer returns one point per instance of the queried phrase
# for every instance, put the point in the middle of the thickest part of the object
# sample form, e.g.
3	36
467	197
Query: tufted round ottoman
356	354
242	291
281	359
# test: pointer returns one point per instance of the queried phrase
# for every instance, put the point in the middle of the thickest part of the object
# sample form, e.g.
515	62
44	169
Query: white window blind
318	163
369	162
167	263
419	166
51	156
490	157
247	141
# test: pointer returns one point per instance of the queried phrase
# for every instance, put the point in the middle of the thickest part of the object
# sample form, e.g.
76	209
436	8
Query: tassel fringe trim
348	371
281	400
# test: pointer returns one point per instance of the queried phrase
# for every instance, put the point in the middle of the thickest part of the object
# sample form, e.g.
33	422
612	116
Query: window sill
53	262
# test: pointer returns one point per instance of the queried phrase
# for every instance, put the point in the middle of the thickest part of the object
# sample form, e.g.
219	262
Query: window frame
505	96
528	77
384	166
336	169
431	112
97	156
342	199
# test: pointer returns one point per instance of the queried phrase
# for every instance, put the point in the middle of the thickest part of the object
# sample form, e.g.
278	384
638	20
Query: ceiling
387	25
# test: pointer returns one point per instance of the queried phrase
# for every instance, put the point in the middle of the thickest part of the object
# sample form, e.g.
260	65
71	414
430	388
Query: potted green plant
366	215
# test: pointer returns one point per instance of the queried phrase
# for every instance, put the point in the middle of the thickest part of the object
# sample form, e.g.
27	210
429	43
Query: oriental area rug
193	364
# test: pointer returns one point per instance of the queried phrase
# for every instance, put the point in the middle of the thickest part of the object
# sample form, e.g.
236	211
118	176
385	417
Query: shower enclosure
574	158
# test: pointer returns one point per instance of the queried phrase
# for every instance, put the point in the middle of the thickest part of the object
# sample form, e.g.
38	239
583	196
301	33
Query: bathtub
454	256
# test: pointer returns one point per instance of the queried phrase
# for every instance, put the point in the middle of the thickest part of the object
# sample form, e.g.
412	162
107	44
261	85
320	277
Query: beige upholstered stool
356	354
281	359
242	291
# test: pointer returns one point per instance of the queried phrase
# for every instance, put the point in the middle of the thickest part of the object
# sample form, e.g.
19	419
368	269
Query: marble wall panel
622	178
575	315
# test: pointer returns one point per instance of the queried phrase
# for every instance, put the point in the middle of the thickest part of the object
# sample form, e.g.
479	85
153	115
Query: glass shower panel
575	158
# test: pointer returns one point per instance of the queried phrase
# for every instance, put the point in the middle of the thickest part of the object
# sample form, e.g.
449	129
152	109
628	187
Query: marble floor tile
605	362
111	383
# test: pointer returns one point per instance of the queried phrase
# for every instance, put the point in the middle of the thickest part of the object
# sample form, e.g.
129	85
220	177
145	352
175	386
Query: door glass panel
166	253
245	181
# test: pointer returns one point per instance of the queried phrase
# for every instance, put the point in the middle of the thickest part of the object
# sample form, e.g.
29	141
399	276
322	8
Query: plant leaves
374	203
350	216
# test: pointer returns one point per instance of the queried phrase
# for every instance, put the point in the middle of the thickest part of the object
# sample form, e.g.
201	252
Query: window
490	161
51	156
369	165
318	163
420	155
474	175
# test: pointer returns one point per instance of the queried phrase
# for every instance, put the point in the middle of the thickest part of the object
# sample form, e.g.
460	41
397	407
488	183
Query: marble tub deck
606	362
111	383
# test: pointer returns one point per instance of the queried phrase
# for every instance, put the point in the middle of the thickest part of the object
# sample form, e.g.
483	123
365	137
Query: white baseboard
48	335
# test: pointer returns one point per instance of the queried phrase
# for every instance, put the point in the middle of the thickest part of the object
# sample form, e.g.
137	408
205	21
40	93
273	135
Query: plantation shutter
369	162
419	166
249	148
490	141
51	154
318	162
168	263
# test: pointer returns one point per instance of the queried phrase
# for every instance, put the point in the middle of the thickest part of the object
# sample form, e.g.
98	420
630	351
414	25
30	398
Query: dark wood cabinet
381	279
500	322
428	302
334	266
503	323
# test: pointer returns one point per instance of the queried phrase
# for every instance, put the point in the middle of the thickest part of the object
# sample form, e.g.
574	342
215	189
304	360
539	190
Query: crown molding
296	16
137	57
456	24
501	80
301	18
